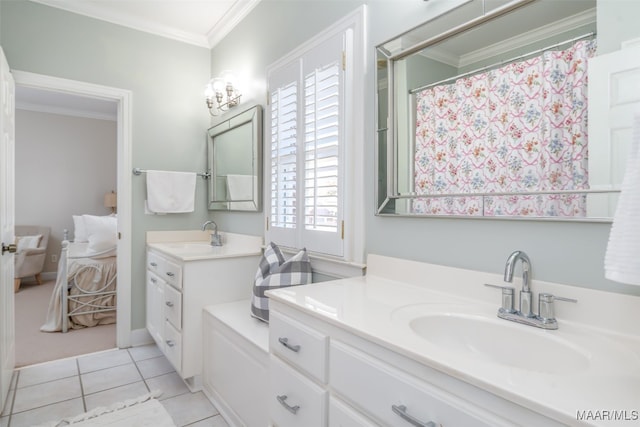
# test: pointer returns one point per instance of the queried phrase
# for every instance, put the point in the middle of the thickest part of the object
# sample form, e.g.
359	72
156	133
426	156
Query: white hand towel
622	259
171	192
240	189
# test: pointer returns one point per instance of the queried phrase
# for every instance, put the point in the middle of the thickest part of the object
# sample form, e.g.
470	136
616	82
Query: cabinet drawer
153	262
342	415
172	306
294	400
167	270
378	387
298	344
173	345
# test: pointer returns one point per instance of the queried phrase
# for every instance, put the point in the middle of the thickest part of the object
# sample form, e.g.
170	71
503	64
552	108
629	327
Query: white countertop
379	308
193	245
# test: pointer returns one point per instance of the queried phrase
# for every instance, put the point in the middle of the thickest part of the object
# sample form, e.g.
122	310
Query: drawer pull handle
285	342
401	410
282	399
168	303
153	264
170	343
170	274
153	280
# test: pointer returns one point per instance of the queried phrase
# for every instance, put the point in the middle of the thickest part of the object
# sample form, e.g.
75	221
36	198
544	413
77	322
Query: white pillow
100	225
101	242
28	242
79	229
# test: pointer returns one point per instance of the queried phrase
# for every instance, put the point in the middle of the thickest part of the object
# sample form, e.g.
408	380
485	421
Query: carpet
34	346
144	411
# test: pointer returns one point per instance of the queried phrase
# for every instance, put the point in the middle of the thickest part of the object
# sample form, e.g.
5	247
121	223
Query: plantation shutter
323	146
306	131
283	155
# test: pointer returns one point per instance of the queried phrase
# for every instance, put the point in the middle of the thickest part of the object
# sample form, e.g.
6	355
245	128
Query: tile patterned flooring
68	387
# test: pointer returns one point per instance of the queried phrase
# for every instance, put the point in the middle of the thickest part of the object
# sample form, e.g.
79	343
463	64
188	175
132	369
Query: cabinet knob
168	303
170	274
285	342
170	343
153	264
401	410
153	280
283	401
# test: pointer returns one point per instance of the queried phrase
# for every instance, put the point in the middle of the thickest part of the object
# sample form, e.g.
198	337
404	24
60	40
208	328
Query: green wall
169	124
564	252
166	79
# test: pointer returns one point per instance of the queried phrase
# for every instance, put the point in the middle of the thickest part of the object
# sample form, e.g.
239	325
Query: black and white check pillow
273	273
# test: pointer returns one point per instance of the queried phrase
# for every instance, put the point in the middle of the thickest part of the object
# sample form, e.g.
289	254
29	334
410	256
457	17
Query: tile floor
68	387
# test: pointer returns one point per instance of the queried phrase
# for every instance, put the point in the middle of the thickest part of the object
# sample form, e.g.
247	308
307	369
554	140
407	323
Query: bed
85	291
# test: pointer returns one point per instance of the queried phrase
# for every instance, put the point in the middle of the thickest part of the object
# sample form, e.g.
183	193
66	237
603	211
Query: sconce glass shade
209	93
223	92
228	78
218	85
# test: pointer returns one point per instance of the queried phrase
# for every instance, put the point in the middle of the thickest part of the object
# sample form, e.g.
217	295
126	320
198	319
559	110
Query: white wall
64	166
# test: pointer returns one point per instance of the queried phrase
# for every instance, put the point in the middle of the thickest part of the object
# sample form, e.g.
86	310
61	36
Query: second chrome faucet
546	314
215	237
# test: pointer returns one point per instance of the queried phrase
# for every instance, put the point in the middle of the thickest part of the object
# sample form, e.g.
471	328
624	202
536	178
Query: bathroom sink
192	247
498	341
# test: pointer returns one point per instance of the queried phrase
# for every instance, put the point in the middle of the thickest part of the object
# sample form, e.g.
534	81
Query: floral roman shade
518	128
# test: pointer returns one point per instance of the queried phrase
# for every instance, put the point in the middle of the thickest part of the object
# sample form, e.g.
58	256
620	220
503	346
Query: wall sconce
216	90
111	201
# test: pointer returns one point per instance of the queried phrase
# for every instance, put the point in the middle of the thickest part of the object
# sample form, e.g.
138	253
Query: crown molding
232	18
214	35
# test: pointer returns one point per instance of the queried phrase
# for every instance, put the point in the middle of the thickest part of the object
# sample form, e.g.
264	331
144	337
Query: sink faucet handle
546	310
507	297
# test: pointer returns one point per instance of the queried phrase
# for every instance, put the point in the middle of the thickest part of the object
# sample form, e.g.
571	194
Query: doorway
120	101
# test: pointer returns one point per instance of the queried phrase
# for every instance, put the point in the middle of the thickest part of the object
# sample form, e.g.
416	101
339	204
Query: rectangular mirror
483	113
234	159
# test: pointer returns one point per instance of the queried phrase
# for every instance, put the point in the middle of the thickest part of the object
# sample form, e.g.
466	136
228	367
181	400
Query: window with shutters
307	129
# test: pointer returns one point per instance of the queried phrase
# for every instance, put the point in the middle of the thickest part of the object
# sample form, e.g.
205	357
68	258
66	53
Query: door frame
124	166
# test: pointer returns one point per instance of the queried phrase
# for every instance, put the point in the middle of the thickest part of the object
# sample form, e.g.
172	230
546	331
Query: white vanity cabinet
177	292
324	375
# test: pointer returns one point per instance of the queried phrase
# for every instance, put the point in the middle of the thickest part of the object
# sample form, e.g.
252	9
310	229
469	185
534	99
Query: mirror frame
253	117
386	147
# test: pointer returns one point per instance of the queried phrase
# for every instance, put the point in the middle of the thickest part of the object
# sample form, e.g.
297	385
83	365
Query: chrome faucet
525	293
546	313
215	237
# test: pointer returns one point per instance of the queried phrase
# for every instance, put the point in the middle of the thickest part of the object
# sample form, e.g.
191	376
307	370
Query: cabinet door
154	300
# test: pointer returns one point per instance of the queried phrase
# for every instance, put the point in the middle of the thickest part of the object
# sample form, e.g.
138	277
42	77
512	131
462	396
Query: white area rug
144	411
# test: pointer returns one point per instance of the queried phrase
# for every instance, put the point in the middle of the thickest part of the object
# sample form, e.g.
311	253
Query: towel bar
138	171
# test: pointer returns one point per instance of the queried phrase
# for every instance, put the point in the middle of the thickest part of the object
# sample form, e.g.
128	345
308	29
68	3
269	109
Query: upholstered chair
32	243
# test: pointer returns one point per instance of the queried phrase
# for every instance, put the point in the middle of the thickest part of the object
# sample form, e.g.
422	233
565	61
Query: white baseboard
141	337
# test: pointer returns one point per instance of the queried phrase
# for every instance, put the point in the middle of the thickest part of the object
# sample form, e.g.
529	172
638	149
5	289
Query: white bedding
95	273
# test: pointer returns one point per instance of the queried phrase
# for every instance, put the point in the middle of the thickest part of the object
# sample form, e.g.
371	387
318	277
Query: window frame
351	226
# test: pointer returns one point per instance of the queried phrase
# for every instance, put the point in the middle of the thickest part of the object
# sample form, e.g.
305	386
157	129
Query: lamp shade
622	258
110	200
